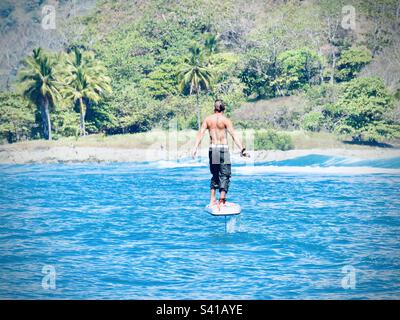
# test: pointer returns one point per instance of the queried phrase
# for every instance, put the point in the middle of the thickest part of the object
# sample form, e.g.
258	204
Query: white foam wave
314	170
341	161
165	164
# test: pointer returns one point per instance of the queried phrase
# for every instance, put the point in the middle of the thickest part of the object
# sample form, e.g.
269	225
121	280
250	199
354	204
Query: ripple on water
139	231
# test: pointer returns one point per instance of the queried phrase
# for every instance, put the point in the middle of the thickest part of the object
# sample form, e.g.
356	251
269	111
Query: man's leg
213	199
224	175
224	182
214	170
222	195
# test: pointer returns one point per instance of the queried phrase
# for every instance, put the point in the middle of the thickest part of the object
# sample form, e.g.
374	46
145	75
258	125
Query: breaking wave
310	164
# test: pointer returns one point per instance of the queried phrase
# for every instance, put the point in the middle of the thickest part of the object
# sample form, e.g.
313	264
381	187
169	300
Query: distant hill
276	63
21	30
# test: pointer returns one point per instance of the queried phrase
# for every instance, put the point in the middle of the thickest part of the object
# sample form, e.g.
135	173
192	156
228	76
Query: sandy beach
159	145
15	154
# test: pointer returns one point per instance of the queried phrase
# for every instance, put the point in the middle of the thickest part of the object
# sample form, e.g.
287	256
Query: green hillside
130	66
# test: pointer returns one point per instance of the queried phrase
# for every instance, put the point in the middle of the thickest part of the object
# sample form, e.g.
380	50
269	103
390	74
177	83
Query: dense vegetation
271	140
136	66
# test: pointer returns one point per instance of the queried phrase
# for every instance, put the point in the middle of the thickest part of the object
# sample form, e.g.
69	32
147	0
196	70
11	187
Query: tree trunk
46	107
45	113
16	132
333	67
321	73
398	11
198	109
82	110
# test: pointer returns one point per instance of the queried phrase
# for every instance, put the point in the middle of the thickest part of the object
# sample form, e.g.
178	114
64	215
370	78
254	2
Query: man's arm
235	137
199	137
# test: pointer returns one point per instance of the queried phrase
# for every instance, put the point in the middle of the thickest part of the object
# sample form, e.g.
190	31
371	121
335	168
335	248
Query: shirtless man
220	165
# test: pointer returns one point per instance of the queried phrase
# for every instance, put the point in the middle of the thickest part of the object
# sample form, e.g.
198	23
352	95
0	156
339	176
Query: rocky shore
74	154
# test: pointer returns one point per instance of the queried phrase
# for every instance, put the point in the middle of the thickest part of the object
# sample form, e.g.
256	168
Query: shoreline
78	154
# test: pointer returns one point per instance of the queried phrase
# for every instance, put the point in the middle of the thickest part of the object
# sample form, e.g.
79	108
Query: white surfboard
228	209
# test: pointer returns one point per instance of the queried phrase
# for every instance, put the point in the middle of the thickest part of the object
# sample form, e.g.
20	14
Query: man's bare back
217	125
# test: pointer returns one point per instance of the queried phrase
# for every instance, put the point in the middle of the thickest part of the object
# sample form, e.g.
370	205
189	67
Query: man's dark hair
219	106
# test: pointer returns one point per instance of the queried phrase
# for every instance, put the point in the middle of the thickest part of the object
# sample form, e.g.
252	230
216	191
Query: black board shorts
220	167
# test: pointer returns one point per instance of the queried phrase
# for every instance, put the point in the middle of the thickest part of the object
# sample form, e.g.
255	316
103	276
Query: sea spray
232	224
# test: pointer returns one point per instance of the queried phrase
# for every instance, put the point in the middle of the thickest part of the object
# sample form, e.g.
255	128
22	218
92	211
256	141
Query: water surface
138	231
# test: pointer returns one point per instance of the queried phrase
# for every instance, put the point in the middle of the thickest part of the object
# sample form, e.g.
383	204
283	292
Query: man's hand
243	153
194	152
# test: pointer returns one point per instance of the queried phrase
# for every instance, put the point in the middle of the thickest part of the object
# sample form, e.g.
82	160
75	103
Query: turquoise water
138	231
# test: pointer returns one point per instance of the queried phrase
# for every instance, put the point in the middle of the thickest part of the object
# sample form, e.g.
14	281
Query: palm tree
195	75
211	43
85	80
38	81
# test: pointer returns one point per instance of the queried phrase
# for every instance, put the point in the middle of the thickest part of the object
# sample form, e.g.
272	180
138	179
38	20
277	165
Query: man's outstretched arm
235	137
199	137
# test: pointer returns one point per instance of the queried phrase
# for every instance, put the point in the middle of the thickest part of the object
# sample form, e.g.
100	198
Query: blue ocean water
311	227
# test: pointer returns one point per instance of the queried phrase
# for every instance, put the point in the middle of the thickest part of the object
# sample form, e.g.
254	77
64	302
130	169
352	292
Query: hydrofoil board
227	209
